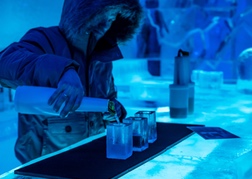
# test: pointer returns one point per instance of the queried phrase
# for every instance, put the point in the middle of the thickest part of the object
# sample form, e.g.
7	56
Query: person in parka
74	57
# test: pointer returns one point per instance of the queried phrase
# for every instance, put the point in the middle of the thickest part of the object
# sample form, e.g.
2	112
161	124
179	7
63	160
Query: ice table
196	157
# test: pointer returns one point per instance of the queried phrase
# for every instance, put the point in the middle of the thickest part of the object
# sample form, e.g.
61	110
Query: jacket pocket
60	133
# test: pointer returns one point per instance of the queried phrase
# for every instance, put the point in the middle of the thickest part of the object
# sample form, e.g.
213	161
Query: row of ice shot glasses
133	134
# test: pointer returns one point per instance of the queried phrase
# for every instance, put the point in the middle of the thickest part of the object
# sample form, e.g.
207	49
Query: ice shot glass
140	133
119	141
152	125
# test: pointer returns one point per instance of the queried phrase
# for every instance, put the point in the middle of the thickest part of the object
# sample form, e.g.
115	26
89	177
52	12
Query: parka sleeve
32	62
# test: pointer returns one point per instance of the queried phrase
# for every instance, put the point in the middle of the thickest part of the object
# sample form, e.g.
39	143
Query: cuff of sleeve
123	111
123	114
69	64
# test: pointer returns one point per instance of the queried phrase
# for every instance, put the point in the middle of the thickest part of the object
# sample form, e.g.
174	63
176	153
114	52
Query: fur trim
78	14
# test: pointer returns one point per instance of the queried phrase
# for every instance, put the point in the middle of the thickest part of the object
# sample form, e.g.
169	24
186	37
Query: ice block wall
214	32
19	16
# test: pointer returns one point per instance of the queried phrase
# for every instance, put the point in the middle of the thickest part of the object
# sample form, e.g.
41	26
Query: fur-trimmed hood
77	14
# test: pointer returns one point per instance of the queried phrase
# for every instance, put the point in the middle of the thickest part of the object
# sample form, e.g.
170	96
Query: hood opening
79	14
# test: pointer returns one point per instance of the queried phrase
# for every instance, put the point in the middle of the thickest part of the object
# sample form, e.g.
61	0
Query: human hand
116	110
114	107
70	91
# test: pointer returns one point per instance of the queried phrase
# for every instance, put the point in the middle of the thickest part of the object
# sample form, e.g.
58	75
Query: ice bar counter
196	157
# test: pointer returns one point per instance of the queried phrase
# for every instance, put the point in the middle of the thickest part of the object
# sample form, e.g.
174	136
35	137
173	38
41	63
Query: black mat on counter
89	160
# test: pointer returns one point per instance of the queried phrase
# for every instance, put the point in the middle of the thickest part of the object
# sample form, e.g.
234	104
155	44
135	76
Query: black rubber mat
89	160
